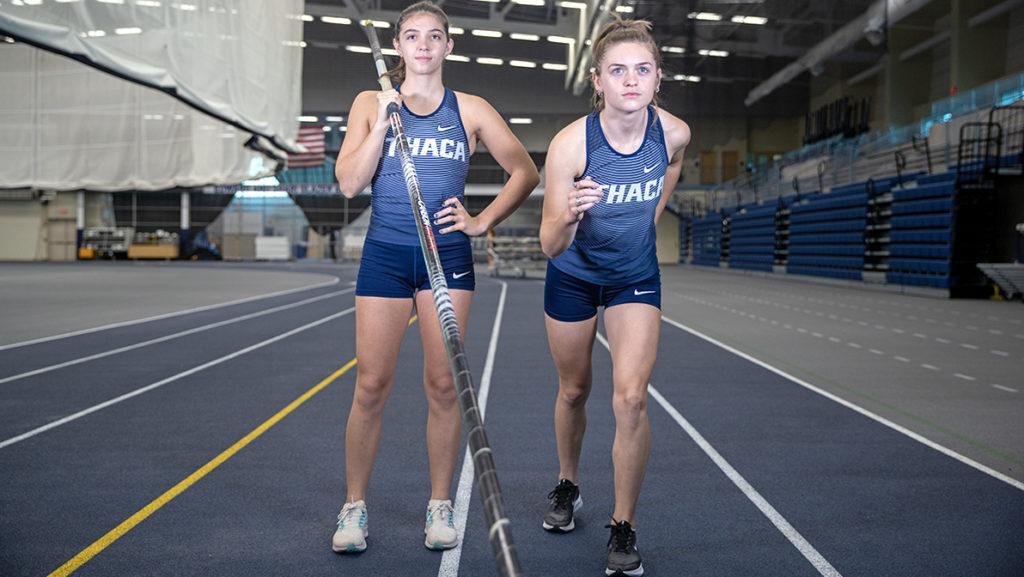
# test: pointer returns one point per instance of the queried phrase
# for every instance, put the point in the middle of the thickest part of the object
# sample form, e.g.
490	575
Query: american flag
312	137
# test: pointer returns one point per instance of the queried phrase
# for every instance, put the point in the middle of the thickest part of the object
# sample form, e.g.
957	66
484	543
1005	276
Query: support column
977	53
79	221
907	79
184	242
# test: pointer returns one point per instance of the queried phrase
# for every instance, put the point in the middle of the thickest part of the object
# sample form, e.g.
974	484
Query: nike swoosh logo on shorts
458	275
646	170
444	128
638	293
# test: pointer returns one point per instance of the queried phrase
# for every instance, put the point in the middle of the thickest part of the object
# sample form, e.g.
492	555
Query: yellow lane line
128	524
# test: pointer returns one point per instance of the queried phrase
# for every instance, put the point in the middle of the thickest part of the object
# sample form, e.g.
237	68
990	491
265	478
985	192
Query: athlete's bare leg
444	417
571	346
633	331
380	326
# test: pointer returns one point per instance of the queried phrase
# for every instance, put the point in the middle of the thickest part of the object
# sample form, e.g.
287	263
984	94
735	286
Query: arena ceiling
715	51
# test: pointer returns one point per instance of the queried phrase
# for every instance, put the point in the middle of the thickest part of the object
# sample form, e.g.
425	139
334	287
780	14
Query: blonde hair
616	32
397	74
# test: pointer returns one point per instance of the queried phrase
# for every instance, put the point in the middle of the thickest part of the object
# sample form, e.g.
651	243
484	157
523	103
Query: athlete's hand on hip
383	99
583	195
453	212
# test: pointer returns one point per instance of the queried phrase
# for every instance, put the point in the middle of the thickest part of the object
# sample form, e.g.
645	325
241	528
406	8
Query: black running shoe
623	556
565	503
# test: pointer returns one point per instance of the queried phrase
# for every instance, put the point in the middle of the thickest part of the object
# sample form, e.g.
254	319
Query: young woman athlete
444	128
608	177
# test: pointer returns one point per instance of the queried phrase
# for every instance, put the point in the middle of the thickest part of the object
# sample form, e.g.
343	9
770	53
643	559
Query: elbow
348	188
550	247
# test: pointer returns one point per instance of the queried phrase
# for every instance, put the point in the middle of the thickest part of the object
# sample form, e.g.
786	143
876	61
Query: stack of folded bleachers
707	239
685	225
921	235
826	233
752	237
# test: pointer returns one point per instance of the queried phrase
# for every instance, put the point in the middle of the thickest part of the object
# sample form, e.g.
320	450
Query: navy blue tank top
440	151
615	242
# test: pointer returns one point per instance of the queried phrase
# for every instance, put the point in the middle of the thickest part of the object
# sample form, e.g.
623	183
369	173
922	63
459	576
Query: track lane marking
165	316
158	384
795	538
898	428
166	338
451	558
142	514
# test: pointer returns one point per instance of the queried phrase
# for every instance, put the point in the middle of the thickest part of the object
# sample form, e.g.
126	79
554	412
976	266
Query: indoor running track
219	453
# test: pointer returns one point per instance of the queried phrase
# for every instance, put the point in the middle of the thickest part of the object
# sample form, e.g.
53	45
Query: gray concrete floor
949	370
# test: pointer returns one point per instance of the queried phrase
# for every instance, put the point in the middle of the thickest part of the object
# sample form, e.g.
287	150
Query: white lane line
834	340
1000	353
995	332
969	346
898	428
1007	389
854	345
943	341
920	336
165	316
464	494
929	367
806	549
902	359
877	352
817	335
147	388
162	339
899	331
964	377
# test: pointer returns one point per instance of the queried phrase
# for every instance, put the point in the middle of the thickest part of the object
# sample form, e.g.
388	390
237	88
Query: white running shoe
351	534
440	528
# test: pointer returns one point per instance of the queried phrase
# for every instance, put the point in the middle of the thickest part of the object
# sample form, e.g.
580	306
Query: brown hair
397	74
615	32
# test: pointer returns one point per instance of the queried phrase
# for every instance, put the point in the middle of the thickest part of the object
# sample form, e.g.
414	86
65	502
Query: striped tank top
440	151
615	242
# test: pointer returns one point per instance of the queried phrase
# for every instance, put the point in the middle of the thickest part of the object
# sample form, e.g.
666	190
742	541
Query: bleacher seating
921	236
707	239
752	237
826	233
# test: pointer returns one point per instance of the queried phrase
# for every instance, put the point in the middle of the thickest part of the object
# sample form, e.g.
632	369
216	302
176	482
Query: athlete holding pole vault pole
412	144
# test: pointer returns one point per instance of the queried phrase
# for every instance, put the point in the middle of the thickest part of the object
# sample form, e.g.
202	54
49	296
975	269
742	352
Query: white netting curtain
65	125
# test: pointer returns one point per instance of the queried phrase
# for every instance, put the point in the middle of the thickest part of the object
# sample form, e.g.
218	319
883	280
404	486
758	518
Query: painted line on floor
898	428
158	384
464	494
165	316
795	538
128	524
166	338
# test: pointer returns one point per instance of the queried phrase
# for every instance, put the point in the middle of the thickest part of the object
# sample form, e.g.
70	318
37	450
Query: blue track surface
870	500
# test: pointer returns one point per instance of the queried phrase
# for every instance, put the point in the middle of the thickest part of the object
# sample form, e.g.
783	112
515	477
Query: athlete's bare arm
677	137
483	124
565	201
364	138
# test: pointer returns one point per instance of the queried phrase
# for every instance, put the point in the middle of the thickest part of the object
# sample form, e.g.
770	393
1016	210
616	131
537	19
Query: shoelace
347	513
445	513
622	537
562	494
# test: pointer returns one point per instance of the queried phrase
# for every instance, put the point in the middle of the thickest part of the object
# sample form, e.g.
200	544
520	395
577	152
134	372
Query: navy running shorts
570	299
398	271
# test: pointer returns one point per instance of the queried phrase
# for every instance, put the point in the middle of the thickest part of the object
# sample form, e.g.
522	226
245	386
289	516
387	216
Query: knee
629	406
440	390
372	391
573	394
